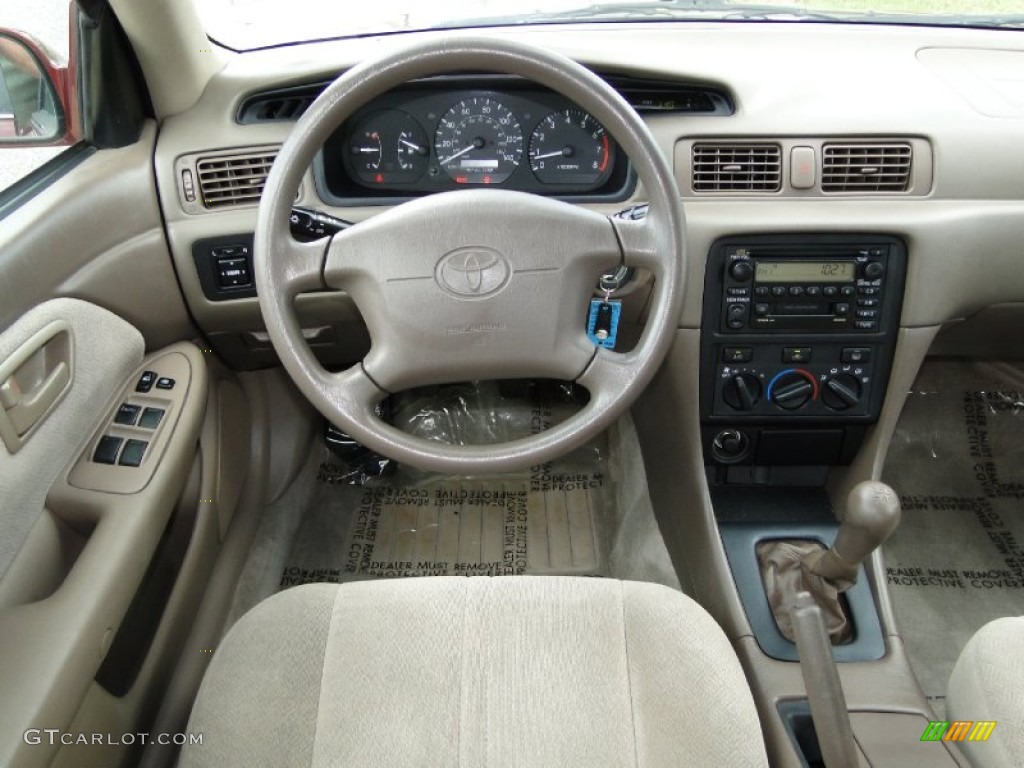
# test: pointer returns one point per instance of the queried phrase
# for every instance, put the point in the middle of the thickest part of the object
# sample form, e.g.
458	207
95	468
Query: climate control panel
775	380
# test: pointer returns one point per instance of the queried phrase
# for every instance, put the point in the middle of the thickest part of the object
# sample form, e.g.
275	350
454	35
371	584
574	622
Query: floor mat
549	519
956	561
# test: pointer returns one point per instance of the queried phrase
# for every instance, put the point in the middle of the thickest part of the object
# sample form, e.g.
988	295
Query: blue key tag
603	322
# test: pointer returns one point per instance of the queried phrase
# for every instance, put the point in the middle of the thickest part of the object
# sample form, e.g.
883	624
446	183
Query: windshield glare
250	24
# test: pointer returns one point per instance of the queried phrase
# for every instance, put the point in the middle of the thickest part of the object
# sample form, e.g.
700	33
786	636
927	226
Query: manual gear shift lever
871	514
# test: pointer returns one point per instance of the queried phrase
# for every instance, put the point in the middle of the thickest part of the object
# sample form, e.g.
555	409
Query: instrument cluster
423	139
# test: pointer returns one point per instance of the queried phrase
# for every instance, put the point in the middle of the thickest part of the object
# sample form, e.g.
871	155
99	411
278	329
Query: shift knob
871	515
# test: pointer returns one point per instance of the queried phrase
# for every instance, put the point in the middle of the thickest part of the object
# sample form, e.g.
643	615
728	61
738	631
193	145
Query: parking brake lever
824	689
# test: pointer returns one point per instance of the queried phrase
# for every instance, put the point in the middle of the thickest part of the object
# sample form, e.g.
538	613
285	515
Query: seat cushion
988	684
475	672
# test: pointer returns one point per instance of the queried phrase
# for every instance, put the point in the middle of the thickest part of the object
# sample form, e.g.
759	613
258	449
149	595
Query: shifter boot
786	569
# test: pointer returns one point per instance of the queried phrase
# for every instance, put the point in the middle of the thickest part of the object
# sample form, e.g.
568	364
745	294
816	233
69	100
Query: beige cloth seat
476	672
988	684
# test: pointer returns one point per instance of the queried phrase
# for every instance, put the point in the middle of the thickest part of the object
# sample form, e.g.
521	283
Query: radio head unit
829	288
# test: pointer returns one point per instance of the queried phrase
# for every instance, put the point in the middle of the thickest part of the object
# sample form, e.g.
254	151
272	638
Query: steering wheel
471	284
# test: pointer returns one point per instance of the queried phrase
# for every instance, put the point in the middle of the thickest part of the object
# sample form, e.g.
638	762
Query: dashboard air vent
233	179
737	167
279	104
866	167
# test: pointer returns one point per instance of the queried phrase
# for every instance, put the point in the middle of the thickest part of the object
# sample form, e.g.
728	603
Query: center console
798	336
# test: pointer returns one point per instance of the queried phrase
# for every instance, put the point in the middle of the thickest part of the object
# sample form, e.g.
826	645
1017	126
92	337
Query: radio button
866	291
867	313
867	302
762	309
866	325
778	290
796	290
738	291
814	291
830	291
842	309
736	316
762	290
847	290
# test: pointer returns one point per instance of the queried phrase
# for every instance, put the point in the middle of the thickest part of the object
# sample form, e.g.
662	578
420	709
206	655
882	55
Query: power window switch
151	418
106	450
165	383
127	414
133	452
146	381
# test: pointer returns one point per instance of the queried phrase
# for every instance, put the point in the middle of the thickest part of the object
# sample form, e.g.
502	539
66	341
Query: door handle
27	408
32	381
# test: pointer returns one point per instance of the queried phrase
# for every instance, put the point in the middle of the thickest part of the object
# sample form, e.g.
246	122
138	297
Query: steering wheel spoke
641	246
299	266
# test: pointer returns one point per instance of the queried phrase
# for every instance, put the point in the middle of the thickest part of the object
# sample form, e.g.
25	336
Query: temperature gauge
388	146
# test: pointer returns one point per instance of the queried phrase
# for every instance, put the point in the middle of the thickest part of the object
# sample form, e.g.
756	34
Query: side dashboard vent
727	167
226	180
866	167
279	104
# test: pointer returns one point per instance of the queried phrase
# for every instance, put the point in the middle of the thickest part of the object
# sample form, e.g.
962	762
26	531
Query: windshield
251	24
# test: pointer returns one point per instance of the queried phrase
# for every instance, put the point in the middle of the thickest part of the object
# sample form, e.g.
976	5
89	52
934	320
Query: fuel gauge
388	146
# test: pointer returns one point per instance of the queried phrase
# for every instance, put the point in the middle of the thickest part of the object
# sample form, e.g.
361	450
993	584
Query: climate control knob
842	392
742	392
792	389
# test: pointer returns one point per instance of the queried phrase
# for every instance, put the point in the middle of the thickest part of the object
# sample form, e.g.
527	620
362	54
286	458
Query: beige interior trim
163	32
96	234
53	648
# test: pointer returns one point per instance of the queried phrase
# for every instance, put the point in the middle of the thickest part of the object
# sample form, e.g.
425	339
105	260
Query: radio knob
741	271
742	392
792	389
874	270
842	392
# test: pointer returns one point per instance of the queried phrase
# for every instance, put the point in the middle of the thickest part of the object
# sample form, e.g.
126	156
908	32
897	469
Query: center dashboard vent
866	167
237	179
728	167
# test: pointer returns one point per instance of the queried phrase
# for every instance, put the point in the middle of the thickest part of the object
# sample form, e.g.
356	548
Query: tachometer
570	147
479	141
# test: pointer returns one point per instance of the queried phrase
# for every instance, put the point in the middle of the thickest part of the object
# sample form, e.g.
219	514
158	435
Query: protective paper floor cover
549	519
956	561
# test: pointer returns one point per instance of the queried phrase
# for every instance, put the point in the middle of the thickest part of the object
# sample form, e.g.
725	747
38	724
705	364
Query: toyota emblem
473	272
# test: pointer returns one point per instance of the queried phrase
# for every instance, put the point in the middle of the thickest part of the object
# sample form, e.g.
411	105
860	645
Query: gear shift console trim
740	541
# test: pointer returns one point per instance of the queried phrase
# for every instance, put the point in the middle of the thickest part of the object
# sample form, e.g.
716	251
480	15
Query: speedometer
570	147
479	141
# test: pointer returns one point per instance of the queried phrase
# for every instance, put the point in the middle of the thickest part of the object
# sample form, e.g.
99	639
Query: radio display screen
805	272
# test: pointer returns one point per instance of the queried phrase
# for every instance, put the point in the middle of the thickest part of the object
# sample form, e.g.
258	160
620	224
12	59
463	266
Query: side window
29	109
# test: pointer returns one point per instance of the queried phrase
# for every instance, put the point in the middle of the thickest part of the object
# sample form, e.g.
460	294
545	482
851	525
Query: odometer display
479	141
570	147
